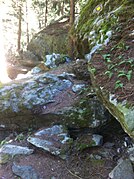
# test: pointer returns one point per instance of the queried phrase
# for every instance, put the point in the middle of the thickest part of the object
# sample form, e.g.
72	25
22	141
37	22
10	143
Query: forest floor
93	163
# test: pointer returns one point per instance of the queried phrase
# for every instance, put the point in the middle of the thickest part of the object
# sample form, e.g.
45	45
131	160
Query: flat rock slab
53	140
25	172
15	150
123	170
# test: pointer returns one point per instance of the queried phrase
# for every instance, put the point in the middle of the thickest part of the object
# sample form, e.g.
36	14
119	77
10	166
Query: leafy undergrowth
114	64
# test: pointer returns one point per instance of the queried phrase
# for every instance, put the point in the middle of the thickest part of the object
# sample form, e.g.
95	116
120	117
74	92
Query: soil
79	164
114	64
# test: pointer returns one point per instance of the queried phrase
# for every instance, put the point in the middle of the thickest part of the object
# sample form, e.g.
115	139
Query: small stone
25	172
131	154
77	87
98	139
123	170
15	150
36	70
53	139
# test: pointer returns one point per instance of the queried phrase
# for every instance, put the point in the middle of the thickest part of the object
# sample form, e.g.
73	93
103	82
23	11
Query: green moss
111	13
4	158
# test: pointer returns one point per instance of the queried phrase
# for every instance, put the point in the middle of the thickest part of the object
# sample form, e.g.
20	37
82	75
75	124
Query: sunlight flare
3	68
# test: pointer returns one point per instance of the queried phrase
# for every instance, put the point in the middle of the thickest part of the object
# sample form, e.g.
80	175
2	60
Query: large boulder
44	99
51	39
104	33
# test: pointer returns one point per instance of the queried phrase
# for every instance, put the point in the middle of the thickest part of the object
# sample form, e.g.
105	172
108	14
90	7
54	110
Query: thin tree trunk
72	18
46	11
27	24
19	29
72	12
62	8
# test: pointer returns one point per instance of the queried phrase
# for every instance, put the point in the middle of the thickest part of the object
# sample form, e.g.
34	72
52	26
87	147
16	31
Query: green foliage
3	142
122	45
20	137
109	73
107	57
118	84
126	74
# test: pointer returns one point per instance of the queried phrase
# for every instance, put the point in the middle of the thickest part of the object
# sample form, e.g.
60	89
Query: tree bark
72	18
27	24
19	28
46	11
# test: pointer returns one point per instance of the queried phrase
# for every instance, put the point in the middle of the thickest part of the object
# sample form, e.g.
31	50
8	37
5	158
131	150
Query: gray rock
26	103
52	139
123	170
49	62
65	75
51	39
131	154
36	70
50	131
98	139
25	172
77	87
44	144
31	92
15	150
54	60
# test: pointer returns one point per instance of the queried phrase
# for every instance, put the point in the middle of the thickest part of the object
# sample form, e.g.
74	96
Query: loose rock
25	172
15	150
53	140
123	170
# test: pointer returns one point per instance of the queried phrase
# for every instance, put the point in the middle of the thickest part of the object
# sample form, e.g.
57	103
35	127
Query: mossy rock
122	112
53	38
93	24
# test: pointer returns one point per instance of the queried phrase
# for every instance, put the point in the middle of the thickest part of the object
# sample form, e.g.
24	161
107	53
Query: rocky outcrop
121	111
41	99
104	36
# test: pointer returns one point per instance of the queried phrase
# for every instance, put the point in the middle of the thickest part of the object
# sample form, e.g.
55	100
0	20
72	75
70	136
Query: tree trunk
62	8
19	28
72	18
27	24
46	11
